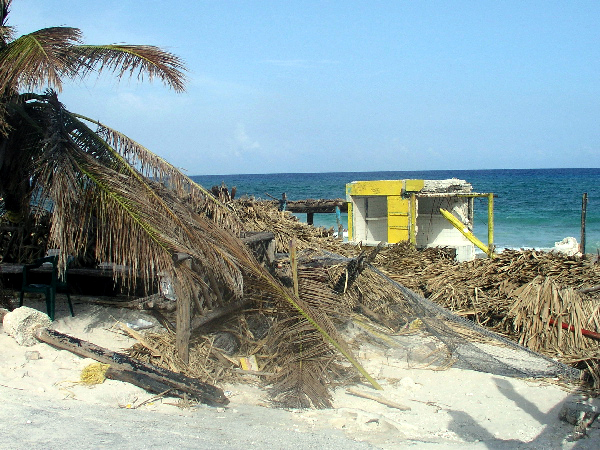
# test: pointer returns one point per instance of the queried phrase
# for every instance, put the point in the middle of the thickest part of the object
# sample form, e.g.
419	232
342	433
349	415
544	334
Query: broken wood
147	376
229	307
317	206
354	269
378	399
259	373
590	289
163	320
183	318
294	265
154	302
140	338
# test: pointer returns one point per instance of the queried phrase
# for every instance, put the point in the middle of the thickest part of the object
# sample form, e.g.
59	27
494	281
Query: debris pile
543	301
507	294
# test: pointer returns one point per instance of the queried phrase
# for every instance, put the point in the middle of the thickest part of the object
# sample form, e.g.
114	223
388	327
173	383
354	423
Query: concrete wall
370	219
433	230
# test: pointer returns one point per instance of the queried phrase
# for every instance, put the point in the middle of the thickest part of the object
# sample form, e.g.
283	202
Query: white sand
447	408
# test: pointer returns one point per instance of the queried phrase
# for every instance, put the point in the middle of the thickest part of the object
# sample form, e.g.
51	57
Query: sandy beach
45	405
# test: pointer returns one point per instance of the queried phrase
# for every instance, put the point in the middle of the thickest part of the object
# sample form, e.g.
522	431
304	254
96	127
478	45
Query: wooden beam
147	376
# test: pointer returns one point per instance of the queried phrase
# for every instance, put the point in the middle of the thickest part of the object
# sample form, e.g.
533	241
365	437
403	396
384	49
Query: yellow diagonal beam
466	233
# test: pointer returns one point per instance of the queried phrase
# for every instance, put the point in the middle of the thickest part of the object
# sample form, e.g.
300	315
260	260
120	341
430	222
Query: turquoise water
534	208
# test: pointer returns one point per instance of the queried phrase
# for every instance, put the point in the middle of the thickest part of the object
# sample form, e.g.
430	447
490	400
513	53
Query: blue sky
328	86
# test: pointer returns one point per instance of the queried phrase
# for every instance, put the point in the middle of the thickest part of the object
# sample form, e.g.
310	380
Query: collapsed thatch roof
500	293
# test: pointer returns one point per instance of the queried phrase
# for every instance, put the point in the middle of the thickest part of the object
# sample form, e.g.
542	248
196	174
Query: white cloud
243	142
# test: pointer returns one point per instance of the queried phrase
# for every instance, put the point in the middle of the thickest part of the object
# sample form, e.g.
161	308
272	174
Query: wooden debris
378	399
354	268
138	336
122	367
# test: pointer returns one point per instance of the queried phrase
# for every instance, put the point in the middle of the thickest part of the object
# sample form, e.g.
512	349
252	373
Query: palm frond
156	168
135	218
38	59
4	10
6	35
143	60
98	194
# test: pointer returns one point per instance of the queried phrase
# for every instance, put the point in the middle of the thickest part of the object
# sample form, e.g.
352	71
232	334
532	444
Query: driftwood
147	376
378	399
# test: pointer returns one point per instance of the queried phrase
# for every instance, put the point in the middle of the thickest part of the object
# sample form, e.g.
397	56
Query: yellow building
392	211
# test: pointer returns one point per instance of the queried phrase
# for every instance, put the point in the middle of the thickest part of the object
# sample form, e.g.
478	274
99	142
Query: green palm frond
132	60
38	59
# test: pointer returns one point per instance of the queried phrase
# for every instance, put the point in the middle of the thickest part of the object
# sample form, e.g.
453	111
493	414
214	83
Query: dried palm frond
264	216
98	183
377	300
305	364
539	311
150	165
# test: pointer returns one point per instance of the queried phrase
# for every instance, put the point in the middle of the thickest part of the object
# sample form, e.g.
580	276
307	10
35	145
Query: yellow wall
398	219
378	187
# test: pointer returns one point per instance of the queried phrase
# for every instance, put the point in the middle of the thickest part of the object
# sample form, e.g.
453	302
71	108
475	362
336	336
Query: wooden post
583	214
413	219
294	265
283	202
490	224
471	213
310	217
184	315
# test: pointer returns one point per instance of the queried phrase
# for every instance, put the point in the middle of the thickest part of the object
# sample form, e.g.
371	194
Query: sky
334	86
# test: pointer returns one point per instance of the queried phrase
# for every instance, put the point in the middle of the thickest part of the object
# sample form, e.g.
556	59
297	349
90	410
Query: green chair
57	284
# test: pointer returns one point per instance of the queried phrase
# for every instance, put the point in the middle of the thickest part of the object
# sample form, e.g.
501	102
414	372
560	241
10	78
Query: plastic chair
57	284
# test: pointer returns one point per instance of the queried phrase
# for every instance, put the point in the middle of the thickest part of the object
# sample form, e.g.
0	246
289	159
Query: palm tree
102	186
43	59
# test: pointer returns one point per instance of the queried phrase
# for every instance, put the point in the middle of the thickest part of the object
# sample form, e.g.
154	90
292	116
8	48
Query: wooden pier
310	207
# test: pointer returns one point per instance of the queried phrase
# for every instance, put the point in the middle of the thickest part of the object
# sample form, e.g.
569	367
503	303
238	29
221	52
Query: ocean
534	208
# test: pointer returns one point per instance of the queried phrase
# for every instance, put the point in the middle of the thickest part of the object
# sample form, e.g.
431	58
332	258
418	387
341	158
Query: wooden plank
229	307
315	206
9	268
183	323
147	376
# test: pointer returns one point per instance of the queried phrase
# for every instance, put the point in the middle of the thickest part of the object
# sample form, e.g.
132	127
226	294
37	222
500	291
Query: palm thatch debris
525	295
300	366
484	290
258	215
